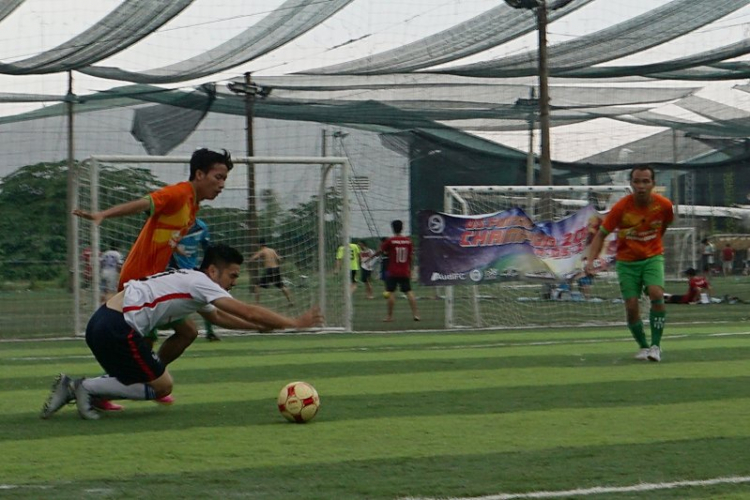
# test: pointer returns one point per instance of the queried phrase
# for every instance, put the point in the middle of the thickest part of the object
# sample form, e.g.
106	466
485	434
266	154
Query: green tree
32	201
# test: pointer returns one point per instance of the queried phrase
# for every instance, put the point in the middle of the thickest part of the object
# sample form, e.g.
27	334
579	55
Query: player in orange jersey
172	211
641	219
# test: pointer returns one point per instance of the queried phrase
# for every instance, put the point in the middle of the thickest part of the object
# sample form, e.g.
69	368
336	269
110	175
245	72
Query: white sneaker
642	355
654	354
83	401
60	396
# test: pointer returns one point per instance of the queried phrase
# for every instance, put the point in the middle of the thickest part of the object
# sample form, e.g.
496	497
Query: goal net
541	284
300	209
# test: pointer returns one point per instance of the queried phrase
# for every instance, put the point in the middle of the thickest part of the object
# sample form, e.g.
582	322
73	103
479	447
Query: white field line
599	490
534	343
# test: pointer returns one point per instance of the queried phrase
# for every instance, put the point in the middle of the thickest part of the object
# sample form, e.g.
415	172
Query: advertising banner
507	245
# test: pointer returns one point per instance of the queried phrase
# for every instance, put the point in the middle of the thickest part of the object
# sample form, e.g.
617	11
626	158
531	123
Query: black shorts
365	278
403	282
271	277
120	350
353	276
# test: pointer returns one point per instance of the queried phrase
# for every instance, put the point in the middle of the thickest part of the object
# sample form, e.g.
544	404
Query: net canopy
127	24
7	8
412	89
132	20
178	113
288	21
653	28
490	29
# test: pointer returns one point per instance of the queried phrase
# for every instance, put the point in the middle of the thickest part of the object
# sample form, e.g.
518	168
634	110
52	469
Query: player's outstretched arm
594	250
127	208
226	320
266	318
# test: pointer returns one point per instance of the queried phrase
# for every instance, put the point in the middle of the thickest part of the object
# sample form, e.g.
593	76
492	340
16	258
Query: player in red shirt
399	250
696	285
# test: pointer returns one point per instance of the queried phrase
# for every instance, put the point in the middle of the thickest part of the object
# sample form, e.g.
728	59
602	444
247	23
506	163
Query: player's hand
590	270
312	317
95	218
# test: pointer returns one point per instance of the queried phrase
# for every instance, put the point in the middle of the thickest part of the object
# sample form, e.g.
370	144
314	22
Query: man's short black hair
203	159
221	255
397	226
690	271
643	167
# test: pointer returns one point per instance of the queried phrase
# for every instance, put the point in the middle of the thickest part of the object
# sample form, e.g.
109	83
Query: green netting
128	23
711	109
490	29
653	28
442	120
288	21
161	128
8	6
687	65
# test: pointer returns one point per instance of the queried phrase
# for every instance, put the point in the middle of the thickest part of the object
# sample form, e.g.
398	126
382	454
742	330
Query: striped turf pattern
403	415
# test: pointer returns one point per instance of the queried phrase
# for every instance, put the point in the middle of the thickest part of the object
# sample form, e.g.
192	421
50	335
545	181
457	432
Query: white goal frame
455	203
325	162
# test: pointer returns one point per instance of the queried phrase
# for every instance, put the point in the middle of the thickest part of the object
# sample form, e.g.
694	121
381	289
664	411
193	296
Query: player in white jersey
115	332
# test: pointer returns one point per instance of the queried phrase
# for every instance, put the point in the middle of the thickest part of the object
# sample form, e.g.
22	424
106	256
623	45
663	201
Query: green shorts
635	276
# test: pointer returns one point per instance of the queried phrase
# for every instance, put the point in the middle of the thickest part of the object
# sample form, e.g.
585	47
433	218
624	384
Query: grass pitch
403	415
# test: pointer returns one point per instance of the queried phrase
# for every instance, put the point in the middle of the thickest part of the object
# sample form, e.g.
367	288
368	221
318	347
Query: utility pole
540	9
251	91
545	161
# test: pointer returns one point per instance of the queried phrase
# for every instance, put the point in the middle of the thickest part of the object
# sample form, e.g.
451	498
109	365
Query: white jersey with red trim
169	296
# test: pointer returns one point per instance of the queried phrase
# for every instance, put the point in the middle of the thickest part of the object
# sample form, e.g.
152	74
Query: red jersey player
696	286
399	250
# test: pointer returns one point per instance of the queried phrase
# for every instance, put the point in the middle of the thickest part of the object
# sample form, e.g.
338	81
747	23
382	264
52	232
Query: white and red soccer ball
299	402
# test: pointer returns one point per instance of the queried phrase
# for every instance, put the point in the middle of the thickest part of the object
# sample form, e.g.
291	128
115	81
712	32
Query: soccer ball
298	402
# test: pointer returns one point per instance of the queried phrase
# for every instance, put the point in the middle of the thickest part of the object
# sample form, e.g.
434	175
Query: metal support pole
324	169
71	197
252	215
345	238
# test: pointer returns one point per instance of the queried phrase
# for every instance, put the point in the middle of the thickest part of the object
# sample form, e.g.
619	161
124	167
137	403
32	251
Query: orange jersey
639	229
173	211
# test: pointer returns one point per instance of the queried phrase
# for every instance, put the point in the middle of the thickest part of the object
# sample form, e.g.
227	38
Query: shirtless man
272	271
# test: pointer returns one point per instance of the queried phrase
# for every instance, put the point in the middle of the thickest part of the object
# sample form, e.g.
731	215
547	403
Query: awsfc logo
448	277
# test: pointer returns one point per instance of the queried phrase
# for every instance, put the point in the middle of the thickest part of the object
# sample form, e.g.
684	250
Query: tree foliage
34	222
32	201
33	205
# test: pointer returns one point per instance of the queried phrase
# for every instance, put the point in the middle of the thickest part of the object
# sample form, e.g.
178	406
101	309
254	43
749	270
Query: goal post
504	293
302	211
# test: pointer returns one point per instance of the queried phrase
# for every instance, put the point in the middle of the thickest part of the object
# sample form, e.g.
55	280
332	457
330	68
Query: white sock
109	387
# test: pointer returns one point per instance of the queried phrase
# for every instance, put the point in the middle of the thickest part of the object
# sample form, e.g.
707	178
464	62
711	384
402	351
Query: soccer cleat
642	355
165	400
212	337
60	396
83	401
654	354
105	405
